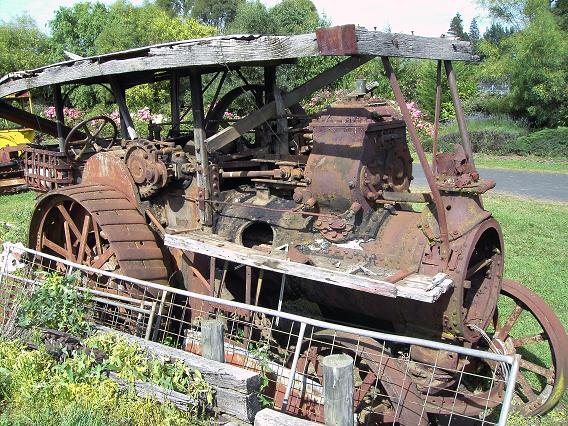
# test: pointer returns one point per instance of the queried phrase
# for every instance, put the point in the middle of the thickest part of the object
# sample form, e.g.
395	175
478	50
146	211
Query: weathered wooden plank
157	393
232	252
215	373
269	111
411	46
227	50
236	389
416	286
191	53
268	417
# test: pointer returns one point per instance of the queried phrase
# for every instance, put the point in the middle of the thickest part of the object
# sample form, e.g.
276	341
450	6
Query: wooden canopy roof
217	53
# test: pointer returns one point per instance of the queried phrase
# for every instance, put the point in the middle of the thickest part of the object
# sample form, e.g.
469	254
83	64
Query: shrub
57	304
544	143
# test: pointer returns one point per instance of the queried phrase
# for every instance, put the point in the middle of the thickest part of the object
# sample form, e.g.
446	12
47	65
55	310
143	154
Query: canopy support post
126	124
201	154
441	213
174	102
59	116
460	117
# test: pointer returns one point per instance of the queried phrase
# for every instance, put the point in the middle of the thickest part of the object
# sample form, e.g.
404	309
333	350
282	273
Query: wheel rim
531	329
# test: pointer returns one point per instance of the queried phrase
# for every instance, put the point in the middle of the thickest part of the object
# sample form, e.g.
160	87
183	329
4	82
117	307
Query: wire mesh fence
396	378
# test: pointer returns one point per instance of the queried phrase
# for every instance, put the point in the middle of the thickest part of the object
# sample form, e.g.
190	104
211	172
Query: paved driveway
544	186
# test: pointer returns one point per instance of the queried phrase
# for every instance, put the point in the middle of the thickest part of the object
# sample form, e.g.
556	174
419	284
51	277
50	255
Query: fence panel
391	380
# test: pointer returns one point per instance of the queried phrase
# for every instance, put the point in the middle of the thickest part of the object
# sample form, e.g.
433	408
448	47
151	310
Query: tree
456	27
252	17
217	13
295	17
22	45
508	12
495	33
535	62
76	28
176	7
474	34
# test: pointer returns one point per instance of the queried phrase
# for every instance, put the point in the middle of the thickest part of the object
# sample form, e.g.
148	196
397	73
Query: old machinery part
525	324
252	96
382	395
97	226
96	139
359	151
147	168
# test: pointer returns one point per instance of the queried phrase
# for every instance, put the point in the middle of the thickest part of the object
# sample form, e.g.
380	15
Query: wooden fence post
338	390
212	340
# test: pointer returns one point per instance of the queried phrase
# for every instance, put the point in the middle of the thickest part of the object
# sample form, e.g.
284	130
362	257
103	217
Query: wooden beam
126	122
32	121
411	46
232	252
174	102
59	116
268	417
415	286
230	51
236	389
269	111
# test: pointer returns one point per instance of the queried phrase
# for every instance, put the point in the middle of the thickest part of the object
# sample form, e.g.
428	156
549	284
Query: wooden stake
212	340
338	390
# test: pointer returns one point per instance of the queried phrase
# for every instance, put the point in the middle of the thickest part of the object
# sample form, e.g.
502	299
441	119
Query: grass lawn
536	247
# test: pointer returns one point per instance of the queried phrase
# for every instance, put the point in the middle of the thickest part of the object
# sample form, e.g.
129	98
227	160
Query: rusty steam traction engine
328	194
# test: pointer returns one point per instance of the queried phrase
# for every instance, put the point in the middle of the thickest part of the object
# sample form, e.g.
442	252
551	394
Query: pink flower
144	114
50	112
115	116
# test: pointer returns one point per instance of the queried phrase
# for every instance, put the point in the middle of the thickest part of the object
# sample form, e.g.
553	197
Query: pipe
460	118
437	112
445	248
247	173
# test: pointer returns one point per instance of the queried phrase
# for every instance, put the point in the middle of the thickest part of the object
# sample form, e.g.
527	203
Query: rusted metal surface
539	396
96	225
46	169
338	41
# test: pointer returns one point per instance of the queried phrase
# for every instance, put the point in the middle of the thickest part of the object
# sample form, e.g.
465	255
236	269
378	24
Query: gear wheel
147	169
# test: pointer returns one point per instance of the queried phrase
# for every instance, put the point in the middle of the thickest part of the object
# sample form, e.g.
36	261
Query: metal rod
201	154
59	116
150	321
259	286
460	118
294	365
285	315
280	297
437	111
508	397
441	213
247	173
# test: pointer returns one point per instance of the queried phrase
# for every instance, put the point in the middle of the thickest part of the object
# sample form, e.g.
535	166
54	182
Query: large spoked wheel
383	395
526	325
97	226
100	135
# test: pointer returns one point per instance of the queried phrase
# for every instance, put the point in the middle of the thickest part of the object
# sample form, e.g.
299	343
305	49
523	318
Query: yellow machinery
13	139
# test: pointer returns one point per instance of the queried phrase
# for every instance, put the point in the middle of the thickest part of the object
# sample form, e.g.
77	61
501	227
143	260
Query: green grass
528	163
15	214
502	124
